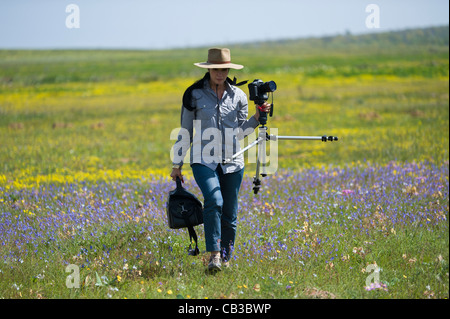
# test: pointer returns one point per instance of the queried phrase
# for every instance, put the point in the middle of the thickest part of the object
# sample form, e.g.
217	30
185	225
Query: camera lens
270	86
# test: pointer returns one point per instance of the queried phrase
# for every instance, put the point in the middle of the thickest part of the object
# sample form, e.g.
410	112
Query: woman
218	110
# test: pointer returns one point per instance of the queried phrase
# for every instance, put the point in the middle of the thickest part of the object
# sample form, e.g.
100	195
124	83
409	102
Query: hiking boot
214	263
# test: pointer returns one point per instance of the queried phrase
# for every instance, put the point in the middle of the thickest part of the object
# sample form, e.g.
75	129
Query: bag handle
179	186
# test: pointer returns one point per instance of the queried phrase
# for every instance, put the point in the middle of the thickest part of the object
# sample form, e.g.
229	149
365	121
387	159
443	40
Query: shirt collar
228	87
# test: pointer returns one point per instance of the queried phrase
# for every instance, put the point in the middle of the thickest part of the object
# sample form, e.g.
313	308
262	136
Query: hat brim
206	65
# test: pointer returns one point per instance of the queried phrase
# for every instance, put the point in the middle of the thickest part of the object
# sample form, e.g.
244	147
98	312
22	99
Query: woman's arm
183	143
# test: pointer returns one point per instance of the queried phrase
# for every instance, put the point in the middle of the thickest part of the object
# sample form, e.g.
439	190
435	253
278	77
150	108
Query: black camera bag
184	210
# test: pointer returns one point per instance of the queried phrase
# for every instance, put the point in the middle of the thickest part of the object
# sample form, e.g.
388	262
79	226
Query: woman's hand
264	108
176	172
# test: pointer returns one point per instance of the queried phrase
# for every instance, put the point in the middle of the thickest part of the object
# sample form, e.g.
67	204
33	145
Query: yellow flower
158	290
169	292
119	278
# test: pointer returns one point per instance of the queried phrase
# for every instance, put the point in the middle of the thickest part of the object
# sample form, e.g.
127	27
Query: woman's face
218	76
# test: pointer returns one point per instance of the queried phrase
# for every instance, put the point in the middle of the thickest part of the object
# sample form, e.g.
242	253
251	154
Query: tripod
263	136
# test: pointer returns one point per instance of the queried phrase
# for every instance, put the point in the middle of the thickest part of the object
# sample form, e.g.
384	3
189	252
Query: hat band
219	62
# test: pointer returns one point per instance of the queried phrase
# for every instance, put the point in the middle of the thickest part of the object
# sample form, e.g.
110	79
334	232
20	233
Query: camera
258	91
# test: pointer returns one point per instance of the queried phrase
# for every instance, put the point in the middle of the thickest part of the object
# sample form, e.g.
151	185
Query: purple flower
374	286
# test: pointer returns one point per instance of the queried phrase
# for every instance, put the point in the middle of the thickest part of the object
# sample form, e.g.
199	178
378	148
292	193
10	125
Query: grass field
84	165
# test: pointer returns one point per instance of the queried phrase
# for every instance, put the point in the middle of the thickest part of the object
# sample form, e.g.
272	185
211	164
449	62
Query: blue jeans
220	193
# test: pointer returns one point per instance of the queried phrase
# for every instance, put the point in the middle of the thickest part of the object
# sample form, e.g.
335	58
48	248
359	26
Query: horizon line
237	43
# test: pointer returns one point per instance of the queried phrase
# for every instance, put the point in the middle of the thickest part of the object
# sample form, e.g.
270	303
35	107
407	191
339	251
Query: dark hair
187	96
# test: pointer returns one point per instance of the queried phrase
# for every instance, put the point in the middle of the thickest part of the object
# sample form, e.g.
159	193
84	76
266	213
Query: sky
166	24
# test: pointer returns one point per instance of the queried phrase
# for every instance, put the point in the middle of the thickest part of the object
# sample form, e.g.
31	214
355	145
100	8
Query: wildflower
119	278
169	292
39	276
376	285
429	294
359	251
17	287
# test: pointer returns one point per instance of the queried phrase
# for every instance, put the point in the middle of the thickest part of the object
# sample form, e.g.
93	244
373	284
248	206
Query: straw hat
219	59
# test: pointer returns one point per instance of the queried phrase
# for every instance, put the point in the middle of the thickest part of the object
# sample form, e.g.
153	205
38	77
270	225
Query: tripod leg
261	159
256	180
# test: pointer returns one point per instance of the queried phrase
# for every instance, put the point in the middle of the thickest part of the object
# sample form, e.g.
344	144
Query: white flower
14	285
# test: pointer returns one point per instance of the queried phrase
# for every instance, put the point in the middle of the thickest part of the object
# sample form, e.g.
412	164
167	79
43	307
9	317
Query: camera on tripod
259	94
258	91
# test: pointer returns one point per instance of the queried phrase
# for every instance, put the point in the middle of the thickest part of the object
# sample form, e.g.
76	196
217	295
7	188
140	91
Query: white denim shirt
221	123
